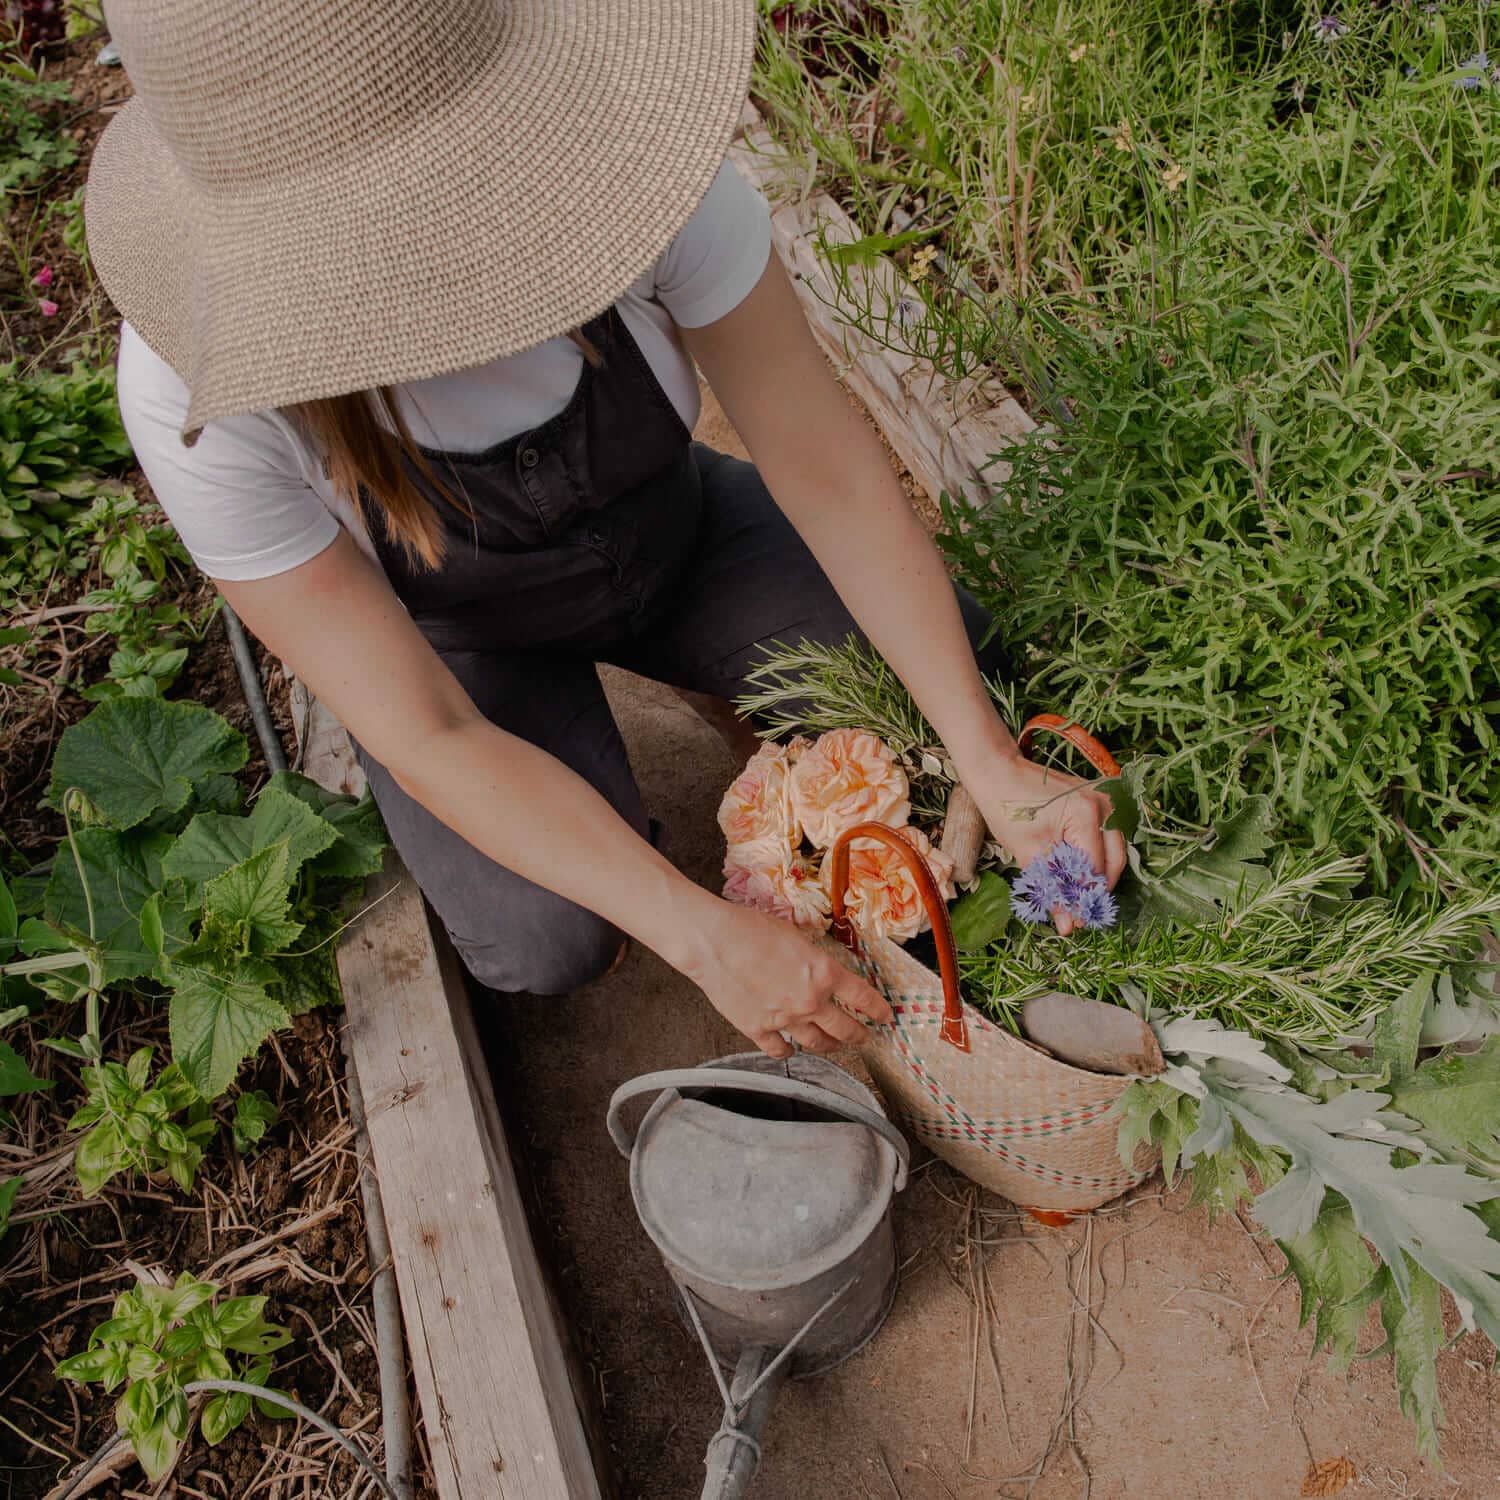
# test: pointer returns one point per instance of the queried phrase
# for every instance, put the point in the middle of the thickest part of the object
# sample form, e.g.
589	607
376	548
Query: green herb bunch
157	1342
132	1122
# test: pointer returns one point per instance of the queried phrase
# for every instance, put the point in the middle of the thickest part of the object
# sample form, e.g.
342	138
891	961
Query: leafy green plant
1244	267
32	146
1343	1159
59	433
164	880
254	1114
132	1122
10	1187
157	1342
1216	924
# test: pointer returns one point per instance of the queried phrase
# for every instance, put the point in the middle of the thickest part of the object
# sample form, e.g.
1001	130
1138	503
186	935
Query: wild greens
163	880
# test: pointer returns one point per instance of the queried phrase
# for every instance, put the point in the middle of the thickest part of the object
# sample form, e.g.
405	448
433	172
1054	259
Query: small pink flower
849	776
788	888
757	808
883	897
43	278
47	308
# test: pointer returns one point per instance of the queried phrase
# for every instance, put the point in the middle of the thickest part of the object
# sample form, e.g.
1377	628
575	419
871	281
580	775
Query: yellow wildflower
1173	177
921	262
1124	139
1076	55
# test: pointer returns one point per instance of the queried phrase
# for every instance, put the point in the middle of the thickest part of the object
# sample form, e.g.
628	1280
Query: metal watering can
767	1188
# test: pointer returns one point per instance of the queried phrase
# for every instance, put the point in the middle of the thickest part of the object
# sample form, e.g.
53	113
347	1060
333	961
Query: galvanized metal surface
767	1188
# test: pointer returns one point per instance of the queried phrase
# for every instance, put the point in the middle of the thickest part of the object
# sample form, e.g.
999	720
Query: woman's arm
337	622
828	472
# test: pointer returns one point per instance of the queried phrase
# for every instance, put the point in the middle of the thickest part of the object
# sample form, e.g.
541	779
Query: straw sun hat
310	197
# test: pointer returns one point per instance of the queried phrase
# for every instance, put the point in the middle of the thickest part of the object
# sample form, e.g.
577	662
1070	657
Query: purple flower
1474	69
1035	892
1330	28
1098	908
1063	877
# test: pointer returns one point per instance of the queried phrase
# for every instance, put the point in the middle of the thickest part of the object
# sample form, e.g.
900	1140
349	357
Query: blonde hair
370	456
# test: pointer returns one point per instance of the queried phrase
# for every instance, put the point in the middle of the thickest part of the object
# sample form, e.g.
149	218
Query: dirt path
1192	1381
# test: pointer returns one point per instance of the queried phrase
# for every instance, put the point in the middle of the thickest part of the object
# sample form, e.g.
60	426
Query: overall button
530	458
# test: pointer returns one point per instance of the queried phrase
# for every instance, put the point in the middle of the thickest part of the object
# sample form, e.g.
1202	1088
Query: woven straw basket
999	1109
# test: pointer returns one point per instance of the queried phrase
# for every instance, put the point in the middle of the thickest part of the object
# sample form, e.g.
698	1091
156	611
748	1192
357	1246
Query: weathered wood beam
489	1354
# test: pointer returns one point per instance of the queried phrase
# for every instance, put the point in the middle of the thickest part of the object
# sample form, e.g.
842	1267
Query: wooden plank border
505	1417
945	434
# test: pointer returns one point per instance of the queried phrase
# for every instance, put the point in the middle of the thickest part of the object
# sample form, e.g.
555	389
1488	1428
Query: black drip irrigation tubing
395	1407
279	1398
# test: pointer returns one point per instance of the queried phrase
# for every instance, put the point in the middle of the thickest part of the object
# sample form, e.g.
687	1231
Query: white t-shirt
249	500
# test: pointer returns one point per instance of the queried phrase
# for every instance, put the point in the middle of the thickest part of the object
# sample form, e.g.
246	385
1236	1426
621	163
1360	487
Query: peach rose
757	808
787	888
883	898
848	776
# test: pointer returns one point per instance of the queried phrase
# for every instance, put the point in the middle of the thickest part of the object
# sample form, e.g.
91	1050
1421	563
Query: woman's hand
1030	807
764	977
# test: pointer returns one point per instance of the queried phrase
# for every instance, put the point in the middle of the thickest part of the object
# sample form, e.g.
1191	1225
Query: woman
413	291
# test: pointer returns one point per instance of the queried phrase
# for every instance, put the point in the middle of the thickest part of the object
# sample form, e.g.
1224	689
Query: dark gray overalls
604	535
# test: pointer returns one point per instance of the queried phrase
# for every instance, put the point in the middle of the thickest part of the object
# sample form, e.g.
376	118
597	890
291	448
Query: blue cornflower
1072	873
1330	28
1098	907
1063	877
1035	893
1475	68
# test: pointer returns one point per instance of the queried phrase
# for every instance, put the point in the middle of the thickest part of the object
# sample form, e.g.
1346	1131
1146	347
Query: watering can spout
734	1450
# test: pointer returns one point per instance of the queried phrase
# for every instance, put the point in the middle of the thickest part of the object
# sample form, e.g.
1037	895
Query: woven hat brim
512	215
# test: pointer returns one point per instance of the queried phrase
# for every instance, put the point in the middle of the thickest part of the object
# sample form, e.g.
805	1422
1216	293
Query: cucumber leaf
218	1017
16	1076
213	842
362	839
248	904
134	757
123	872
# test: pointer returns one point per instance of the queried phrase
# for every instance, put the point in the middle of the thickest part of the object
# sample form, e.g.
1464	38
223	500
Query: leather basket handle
955	1028
1076	735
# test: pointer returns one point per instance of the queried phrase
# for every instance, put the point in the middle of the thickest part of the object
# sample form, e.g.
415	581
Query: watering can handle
755	1083
955	1028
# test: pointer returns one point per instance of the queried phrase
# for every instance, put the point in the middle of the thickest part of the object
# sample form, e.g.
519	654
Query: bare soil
1187	1376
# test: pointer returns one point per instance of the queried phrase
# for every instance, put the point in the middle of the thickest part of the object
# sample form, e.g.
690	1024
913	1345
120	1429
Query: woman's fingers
840	1025
811	1037
1114	855
773	1044
857	996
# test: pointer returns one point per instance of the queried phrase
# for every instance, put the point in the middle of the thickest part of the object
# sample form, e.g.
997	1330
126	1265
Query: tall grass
1245	262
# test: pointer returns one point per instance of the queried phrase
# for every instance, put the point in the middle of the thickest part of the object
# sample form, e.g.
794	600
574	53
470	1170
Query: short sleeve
239	497
718	256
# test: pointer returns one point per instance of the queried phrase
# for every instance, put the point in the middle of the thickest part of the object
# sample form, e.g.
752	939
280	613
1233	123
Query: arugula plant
164	880
159	1340
133	1124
